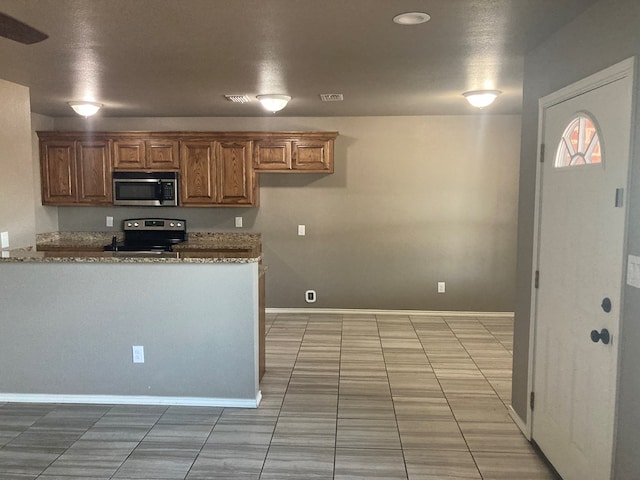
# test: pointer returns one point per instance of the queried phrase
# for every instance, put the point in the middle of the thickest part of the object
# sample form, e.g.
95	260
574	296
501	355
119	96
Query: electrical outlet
302	230
109	221
138	354
441	287
310	296
4	240
238	222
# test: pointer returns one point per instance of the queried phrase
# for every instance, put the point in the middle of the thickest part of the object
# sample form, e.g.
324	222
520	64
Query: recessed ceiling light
412	18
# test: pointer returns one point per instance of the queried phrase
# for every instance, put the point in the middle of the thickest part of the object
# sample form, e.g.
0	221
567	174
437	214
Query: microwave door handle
159	191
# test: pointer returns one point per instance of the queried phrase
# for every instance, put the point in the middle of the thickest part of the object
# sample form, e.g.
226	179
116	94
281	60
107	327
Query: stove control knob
135	224
172	224
128	224
179	225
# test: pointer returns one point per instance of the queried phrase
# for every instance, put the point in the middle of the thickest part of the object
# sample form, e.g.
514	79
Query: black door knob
606	304
601	335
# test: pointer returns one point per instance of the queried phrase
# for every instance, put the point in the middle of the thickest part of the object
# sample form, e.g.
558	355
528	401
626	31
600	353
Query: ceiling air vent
331	97
238	98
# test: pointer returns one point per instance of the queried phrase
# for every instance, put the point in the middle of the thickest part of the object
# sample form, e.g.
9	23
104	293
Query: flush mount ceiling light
86	109
274	103
481	98
412	18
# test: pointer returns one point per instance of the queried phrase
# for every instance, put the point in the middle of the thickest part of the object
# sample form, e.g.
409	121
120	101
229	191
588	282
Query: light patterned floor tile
363	406
425	464
431	434
497	437
232	461
367	433
369	464
305	431
502	466
313	463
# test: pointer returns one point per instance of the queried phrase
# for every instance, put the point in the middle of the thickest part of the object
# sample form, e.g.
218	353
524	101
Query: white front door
580	264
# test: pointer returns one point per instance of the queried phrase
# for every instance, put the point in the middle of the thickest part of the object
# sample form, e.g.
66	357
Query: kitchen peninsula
72	314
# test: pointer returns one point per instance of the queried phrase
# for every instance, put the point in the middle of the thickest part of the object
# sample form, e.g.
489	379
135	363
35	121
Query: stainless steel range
149	235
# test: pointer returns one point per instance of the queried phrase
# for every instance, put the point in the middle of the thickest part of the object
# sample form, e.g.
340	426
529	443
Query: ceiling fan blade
20	32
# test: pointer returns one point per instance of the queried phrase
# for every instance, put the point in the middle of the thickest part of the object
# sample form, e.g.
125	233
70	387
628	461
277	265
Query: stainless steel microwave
155	189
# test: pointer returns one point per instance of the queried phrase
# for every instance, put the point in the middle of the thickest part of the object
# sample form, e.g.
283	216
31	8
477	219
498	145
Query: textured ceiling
179	57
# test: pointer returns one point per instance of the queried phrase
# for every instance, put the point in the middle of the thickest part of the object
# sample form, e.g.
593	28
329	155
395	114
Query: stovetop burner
149	235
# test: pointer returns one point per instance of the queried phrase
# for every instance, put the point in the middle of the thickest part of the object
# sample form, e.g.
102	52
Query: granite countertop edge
21	256
86	247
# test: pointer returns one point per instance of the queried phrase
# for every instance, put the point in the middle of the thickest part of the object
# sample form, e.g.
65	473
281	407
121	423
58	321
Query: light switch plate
302	230
109	221
4	240
238	222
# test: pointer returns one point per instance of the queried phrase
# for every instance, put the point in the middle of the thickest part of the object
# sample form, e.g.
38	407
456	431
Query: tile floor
345	397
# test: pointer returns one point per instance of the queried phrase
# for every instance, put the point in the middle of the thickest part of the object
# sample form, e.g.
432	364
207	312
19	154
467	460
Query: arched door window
580	144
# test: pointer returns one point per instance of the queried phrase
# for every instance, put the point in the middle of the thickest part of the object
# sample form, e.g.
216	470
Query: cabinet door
57	171
197	174
272	155
94	172
162	154
128	154
312	155
236	178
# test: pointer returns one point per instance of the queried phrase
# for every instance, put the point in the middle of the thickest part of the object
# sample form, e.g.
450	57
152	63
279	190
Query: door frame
615	72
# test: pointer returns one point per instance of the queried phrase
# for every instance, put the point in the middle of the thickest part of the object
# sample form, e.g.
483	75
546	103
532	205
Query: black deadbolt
601	335
606	304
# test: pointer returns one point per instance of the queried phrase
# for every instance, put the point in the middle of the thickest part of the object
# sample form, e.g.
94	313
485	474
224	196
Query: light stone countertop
87	247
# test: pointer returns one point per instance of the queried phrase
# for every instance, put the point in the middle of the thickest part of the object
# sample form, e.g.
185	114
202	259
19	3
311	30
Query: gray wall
68	329
413	201
16	166
604	35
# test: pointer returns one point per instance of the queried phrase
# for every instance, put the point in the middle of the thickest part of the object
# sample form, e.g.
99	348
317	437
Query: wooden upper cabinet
236	181
216	168
312	155
128	154
75	172
217	173
162	154
305	153
197	173
58	172
272	155
94	172
145	154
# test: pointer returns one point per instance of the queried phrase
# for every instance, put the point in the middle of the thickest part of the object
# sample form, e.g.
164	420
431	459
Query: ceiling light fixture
274	103
481	98
86	109
412	18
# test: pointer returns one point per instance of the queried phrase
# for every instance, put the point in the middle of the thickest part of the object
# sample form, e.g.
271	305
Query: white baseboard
132	400
356	311
521	424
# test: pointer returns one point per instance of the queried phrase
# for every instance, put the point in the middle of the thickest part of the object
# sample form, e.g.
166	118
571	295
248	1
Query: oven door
138	191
